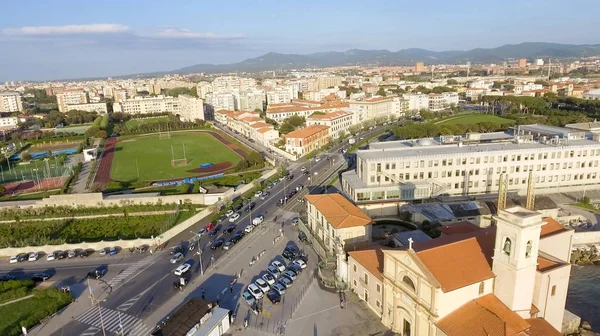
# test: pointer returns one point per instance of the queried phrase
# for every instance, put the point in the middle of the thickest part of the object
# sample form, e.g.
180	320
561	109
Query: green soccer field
152	156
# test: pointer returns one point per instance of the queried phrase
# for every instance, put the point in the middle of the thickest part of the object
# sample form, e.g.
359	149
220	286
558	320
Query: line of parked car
58	255
278	277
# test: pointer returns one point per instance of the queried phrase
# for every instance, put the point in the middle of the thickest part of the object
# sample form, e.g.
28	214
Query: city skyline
58	40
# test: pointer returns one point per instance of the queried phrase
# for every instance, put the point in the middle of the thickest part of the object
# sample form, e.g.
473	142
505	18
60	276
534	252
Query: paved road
145	295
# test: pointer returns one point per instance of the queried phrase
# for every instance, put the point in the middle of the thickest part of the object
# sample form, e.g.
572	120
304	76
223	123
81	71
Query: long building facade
556	159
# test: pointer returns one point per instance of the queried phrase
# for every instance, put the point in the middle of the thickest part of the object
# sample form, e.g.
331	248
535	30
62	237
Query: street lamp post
199	253
94	302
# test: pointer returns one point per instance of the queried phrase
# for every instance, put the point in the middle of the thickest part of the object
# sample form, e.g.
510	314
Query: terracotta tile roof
260	124
307	131
551	227
460	227
485	316
371	260
534	309
545	264
266	129
459	260
332	115
376	99
250	119
541	327
338	211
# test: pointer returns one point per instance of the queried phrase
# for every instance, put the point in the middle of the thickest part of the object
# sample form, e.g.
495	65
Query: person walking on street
342	303
245	323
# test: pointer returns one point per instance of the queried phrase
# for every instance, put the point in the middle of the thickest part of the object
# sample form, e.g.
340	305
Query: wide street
137	293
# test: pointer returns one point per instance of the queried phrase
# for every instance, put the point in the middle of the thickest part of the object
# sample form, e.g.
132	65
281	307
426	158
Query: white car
51	256
258	193
317	159
262	284
274	271
182	269
258	220
229	213
280	267
102	252
279	288
303	169
14	260
178	256
33	256
255	291
249	228
249	298
300	263
269	279
234	217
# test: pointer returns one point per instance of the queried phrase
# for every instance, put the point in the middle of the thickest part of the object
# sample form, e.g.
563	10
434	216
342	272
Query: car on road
290	177
214	232
316	173
234	217
258	193
274	271
237	236
229	213
201	232
289	255
317	158
181	269
249	298
249	228
299	187
33	256
230	229
279	288
176	249
62	255
97	273
262	284
7	277
257	220
112	251
71	254
274	296
285	281
51	256
255	291
303	169
250	206
217	243
300	263
265	195
269	279
40	277
306	173
290	274
280	266
228	245
176	258
280	202
209	227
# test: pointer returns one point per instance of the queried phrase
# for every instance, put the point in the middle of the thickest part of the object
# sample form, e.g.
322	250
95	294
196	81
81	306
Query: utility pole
94	302
199	253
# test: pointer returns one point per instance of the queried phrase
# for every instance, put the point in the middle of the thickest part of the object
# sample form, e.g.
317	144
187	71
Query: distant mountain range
275	61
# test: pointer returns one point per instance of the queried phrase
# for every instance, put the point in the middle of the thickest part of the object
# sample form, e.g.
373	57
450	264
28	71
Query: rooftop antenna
530	193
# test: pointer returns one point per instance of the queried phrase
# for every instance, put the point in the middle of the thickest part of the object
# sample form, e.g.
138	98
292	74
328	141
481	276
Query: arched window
506	248
528	248
409	282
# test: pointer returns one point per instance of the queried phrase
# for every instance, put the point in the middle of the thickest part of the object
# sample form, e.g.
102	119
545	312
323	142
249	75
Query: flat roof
401	149
546	129
185	318
587	126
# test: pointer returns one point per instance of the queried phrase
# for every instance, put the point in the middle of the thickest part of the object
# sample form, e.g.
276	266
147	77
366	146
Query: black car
40	277
291	248
291	177
230	229
289	255
61	255
236	237
7	277
302	236
273	296
97	273
250	206
306	173
221	218
296	268
280	202
238	208
217	243
82	254
176	249
214	231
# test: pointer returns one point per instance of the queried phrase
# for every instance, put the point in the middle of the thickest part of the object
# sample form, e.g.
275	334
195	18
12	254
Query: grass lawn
79	129
137	122
471	119
30	196
153	156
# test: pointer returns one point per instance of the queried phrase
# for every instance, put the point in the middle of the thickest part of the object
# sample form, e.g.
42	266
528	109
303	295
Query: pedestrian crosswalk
113	321
131	272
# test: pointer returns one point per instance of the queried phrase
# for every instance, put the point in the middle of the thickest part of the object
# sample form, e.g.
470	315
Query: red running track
103	174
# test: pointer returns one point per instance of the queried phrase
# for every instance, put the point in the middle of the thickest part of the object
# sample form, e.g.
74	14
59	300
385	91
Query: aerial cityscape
390	169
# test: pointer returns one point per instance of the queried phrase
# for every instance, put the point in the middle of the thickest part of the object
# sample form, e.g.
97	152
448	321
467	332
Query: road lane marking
129	303
91	331
112	321
313	314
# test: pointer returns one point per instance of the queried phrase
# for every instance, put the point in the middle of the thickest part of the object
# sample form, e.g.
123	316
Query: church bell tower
515	257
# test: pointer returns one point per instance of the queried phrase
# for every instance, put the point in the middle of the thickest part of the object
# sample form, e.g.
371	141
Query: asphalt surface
141	287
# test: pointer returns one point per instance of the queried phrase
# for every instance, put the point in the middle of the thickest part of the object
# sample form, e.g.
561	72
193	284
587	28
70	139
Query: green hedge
14	289
30	312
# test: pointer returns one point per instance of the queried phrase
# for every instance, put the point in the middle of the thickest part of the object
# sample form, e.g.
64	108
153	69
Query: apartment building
251	100
365	277
10	102
376	107
90	107
71	97
592	94
250	125
203	88
519	88
306	140
190	108
322	94
120	95
304	108
337	222
280	95
222	101
325	82
185	106
9	123
437	102
338	122
559	159
228	83
417	102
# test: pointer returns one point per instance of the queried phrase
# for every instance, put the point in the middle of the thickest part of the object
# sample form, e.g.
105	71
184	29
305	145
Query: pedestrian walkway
131	271
113	321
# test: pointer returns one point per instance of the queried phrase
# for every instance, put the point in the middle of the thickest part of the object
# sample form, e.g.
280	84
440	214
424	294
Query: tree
585	200
381	92
255	159
102	134
2	189
286	128
452	82
90	132
296	120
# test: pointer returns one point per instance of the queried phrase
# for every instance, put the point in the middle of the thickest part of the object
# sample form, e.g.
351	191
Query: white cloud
174	33
103	28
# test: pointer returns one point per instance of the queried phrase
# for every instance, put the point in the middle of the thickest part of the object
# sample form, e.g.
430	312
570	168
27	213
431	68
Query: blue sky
56	39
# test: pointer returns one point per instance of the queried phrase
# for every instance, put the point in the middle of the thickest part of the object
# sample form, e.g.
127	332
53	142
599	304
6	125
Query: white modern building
376	107
187	107
559	159
251	100
10	102
417	101
190	108
338	122
222	101
592	94
90	107
280	95
71	97
9	122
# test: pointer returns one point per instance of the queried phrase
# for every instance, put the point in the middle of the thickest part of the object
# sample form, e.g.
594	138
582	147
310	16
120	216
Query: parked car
176	249
296	268
51	256
217	243
214	231
71	254
249	298
176	258
234	217
236	237
295	221
201	232
262	284
278	265
83	254
230	229
181	269
274	296
279	288
209	227
290	177
288	255
258	193
270	279
303	169
62	255
280	202
285	281
265	195
257	220
274	271
290	274
249	228
250	206
228	245
229	213
112	251
40	277
14	259
300	263
255	291
33	256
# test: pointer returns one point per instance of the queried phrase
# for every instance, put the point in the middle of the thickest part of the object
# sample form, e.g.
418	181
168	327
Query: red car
210	227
